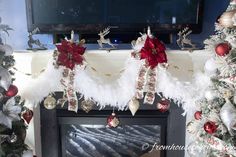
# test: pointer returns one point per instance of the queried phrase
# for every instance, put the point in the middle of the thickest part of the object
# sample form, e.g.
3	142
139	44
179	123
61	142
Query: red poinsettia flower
154	52
70	54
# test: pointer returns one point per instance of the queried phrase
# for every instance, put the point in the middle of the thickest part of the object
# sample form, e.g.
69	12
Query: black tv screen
89	16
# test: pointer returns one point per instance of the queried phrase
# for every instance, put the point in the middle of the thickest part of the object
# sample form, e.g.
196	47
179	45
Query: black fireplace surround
58	124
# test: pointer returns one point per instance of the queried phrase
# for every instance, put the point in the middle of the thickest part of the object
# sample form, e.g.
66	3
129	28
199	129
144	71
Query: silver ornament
87	105
228	116
5	78
50	103
134	106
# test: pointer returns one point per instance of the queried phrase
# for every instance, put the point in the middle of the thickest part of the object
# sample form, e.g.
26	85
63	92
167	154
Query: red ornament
70	54
222	49
28	115
12	91
113	121
210	127
154	52
163	105
198	115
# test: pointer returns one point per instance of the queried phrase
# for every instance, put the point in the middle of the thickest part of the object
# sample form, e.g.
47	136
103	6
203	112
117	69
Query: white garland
119	92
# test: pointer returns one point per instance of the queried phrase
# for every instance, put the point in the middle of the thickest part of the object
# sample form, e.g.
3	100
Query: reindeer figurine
184	42
35	42
102	39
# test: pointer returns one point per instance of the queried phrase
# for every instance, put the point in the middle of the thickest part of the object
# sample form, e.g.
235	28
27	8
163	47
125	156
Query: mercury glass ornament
50	102
87	105
113	121
226	19
133	106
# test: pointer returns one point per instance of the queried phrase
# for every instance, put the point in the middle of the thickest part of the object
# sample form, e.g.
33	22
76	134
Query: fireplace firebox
69	134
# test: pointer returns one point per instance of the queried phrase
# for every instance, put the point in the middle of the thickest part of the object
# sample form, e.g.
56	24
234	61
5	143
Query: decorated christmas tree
213	128
12	126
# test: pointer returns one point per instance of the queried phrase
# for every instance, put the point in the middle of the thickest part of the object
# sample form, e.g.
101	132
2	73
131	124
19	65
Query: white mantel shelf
182	63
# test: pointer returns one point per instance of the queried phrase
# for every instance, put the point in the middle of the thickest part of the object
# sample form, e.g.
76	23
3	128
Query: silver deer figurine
35	44
184	42
102	39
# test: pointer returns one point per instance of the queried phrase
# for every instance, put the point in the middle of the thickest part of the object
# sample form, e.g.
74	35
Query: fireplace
67	134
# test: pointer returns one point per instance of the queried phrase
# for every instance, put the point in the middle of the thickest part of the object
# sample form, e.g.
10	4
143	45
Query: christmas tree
214	125
12	126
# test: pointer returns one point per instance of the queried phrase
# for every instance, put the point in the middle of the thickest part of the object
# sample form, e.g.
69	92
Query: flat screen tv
123	16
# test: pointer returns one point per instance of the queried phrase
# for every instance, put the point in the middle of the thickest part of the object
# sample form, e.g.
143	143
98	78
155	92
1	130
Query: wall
13	13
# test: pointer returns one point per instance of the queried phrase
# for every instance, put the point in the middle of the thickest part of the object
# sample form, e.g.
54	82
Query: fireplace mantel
34	62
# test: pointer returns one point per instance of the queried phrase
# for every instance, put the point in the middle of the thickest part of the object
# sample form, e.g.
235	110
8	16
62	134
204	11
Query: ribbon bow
70	54
154	52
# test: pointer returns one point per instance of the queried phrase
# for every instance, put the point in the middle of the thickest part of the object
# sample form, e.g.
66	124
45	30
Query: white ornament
50	102
133	106
228	116
210	95
210	67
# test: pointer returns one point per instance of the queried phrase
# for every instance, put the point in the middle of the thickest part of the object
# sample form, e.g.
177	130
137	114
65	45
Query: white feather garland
180	92
115	94
47	82
118	92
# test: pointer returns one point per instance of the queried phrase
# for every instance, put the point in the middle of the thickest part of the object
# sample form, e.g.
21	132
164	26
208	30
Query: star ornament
10	112
70	54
